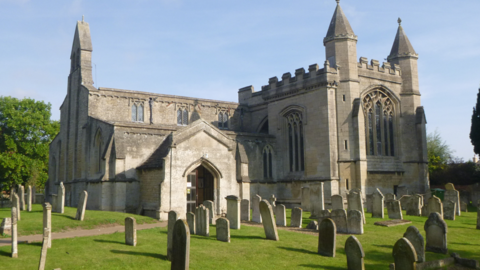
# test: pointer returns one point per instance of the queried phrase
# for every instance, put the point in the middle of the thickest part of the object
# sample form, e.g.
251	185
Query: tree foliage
25	134
439	153
475	128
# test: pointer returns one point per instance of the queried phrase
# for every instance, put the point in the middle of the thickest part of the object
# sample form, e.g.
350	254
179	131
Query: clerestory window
182	117
296	155
137	113
222	120
379	124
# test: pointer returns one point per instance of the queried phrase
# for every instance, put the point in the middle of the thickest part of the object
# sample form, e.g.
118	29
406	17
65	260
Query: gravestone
390	197
21	191
233	211
404	201
425	212
339	216
369	203
43	254
180	245
306	199
404	255
272	201
201	221
449	208
245	209
354	199
60	198
355	254
317	202
211	210
191	222
453	195
82	204
324	214
416	239
14	232
435	205
337	202
268	221
131	231
280	215
6	226
436	234
296	219
223	230
312	225
354	222
54	202
47	220
449	186
377	204
29	199
394	210
256	216
327	234
172	218
463	206
414	207
16	203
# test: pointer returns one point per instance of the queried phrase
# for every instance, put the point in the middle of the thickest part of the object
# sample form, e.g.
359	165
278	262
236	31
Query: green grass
32	222
248	249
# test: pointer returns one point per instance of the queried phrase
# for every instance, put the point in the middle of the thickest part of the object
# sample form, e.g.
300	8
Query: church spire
401	46
339	26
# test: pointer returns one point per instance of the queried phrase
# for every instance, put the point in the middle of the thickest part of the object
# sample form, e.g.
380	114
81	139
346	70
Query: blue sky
210	49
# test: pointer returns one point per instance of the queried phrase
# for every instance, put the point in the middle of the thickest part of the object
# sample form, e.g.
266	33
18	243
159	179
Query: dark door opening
199	187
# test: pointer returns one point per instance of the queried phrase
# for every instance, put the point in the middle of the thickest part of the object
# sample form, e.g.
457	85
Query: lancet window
137	112
182	117
267	162
223	120
295	141
379	124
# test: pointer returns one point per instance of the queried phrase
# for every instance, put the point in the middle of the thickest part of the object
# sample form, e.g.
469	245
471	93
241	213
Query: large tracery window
379	124
295	141
267	162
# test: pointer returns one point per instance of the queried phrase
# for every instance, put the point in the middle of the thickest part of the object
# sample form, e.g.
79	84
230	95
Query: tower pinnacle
338	2
399	21
401	45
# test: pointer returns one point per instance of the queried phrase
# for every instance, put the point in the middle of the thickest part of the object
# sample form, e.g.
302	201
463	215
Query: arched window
134	112
295	141
98	152
222	120
137	112
182	117
379	123
267	162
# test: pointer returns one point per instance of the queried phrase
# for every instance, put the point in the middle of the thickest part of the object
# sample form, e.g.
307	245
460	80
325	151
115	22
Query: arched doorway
200	187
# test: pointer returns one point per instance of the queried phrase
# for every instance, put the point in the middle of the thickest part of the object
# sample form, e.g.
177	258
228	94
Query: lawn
248	249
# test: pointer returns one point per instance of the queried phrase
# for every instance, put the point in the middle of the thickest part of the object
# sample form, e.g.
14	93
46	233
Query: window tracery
379	114
182	116
295	141
137	112
223	120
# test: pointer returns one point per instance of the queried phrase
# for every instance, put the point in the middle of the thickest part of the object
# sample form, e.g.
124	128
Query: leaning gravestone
323	215
16	203
404	200
43	254
256	216
223	230
453	195
436	234
449	208
29	199
355	254
404	255
435	205
201	221
172	218
280	215
233	211
354	222
245	209
416	239
337	202
211	210
47	220
82	204
414	207
180	245
317	202
377	204
6	226
369	203
60	198
327	234
296	219
268	220
14	232
390	197
354	198
191	222
339	216
394	210
131	231
306	198
21	191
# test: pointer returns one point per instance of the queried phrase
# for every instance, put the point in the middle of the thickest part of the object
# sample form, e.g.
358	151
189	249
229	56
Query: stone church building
349	123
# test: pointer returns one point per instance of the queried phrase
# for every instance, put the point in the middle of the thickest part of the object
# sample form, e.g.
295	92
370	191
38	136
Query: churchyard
248	247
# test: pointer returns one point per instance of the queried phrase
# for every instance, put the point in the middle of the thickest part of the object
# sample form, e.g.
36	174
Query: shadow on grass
6	254
246	237
153	255
384	246
64	216
299	250
322	266
108	241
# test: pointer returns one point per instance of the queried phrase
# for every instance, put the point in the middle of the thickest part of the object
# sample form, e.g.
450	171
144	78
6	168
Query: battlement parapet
386	68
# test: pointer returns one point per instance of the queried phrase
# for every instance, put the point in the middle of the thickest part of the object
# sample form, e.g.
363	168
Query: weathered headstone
355	254
312	225
435	205
306	199
16	203
390	197
324	214
29	199
233	211
369	203
354	199
404	201
436	233
180	245
296	219
449	208
202	215
354	222
317	202
191	222
453	195
54	202
416	239
449	186
327	234
6	226
82	204
280	215
43	255
172	218
60	198
211	210
21	191
47	220
414	207
268	220
425	212
223	229
245	209
256	216
394	210
463	206
14	232
337	202
131	231
404	255
339	216
378	206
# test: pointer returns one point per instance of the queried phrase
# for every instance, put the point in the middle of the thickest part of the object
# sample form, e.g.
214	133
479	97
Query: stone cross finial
399	21
338	2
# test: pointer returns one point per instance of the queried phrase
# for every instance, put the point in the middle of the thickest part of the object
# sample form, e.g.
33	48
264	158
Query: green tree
25	134
439	153
475	128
